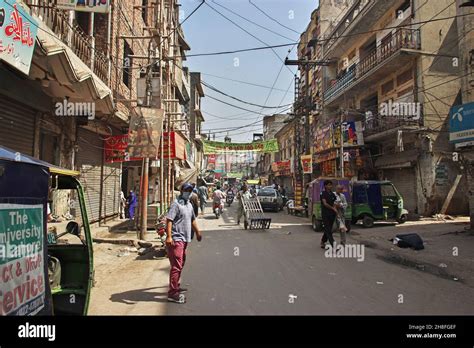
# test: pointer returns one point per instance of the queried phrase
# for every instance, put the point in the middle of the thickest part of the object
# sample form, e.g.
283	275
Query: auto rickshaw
377	200
314	206
47	262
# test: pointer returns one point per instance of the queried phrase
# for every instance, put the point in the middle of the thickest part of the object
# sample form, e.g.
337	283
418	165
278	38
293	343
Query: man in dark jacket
328	212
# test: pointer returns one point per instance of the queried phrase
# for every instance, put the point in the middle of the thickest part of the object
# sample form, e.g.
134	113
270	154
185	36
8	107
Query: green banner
213	147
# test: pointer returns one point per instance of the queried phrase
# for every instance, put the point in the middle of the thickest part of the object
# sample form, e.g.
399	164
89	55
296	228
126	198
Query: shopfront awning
398	160
72	77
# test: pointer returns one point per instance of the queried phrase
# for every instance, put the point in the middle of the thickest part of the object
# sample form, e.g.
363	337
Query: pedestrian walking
123	204
341	206
329	213
194	199
243	194
202	193
180	224
132	204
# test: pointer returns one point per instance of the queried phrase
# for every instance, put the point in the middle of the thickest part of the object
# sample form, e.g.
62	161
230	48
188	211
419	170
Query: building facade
385	91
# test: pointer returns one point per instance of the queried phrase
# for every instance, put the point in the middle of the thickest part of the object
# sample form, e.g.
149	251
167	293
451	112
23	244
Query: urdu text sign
17	35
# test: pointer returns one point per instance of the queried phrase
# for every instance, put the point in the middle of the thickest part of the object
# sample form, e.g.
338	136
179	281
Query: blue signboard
461	123
17	35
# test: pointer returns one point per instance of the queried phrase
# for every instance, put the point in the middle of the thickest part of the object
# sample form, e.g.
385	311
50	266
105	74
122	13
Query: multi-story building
392	80
271	125
93	59
283	166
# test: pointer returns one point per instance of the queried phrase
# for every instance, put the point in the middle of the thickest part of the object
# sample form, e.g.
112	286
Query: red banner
116	149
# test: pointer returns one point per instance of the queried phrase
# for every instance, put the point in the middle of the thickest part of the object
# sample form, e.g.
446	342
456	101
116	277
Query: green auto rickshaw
45	244
376	201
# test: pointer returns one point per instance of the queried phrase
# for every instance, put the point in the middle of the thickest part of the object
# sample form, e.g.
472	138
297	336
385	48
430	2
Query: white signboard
99	6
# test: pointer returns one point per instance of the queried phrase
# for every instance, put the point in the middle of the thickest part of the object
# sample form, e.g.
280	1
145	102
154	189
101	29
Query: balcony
387	58
380	126
73	36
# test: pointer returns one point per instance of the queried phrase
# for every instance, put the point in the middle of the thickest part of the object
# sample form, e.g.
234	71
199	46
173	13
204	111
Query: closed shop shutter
111	201
89	161
17	126
404	180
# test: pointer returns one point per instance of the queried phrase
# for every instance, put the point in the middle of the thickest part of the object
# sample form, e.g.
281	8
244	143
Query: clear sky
207	31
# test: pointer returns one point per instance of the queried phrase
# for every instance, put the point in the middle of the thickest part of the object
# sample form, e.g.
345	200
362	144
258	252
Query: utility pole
307	106
341	139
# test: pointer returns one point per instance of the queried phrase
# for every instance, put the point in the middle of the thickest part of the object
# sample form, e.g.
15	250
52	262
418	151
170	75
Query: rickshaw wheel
368	221
402	219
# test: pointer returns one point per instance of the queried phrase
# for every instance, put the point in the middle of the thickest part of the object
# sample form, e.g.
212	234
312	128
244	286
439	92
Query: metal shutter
89	161
404	180
111	201
17	126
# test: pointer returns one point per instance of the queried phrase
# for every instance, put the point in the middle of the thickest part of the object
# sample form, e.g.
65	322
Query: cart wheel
368	221
246	225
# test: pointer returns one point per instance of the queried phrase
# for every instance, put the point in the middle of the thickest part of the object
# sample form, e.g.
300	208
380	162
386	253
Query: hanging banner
307	164
352	134
211	162
22	265
323	139
212	147
144	133
99	6
115	149
17	35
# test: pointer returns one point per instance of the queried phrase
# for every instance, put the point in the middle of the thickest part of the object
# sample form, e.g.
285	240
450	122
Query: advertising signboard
17	36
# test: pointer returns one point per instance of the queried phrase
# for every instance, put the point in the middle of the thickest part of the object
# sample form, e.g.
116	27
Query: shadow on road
140	295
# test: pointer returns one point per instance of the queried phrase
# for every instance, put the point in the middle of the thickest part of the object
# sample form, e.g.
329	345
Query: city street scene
237	157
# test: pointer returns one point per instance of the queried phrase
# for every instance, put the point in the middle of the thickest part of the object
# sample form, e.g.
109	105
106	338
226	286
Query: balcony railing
379	124
73	36
401	39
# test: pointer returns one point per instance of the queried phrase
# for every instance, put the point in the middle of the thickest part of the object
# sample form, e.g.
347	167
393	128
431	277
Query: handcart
253	212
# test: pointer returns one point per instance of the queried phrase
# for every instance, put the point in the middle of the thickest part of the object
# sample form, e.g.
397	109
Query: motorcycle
217	209
230	198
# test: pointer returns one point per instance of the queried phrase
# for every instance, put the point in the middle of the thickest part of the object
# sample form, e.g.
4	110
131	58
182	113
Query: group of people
333	207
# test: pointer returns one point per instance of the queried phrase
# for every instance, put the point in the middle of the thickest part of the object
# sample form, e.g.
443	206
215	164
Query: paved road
236	271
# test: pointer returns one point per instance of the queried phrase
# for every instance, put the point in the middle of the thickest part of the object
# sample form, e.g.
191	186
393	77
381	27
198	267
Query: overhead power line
240	100
249	33
250	21
244	82
271	18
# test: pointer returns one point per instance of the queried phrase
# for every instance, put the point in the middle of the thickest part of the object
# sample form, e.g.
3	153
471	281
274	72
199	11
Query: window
404	77
127	64
405	6
387	87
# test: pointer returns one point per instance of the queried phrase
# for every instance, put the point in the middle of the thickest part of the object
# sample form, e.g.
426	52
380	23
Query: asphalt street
283	271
